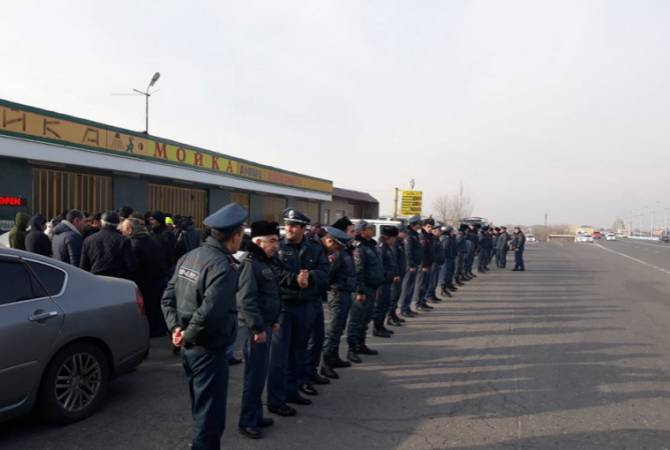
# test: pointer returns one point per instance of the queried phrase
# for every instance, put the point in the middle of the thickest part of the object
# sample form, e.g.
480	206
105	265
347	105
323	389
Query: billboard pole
395	205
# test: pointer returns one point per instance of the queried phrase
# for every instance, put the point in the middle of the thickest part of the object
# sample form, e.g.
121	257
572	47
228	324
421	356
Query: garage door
179	201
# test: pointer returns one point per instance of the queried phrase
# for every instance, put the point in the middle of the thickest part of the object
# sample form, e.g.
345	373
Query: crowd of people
267	290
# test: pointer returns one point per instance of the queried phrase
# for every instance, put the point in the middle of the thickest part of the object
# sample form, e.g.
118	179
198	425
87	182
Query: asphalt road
571	354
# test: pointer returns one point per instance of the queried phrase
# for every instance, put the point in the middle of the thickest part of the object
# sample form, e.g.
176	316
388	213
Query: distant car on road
530	238
583	237
65	334
610	237
597	235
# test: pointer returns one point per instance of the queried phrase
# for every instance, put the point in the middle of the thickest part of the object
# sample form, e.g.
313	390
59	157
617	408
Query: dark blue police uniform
200	299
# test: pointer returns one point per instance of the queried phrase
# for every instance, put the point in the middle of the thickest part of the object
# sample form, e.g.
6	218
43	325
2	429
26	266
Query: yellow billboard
31	123
411	203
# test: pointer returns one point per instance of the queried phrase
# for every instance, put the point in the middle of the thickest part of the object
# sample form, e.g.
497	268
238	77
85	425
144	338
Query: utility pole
146	94
546	219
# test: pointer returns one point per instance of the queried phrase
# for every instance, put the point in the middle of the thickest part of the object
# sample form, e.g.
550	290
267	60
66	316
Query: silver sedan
64	334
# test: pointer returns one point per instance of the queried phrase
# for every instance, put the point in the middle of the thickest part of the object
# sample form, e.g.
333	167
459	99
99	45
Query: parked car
66	334
530	238
584	237
4	240
610	237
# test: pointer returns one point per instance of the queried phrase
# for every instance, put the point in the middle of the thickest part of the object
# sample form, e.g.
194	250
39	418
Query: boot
397	318
451	287
378	331
338	363
327	367
442	293
363	349
392	322
385	329
459	282
352	356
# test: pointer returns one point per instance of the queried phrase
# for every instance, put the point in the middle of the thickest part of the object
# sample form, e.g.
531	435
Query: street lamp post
147	94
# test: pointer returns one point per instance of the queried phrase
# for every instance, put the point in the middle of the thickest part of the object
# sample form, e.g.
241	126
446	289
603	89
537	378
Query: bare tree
450	209
442	209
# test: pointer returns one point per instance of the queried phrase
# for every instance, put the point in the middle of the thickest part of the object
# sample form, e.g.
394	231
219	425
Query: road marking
644	263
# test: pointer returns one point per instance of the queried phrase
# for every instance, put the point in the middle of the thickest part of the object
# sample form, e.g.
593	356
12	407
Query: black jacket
389	262
168	243
367	266
150	265
187	238
201	297
448	244
258	301
109	253
426	242
401	257
438	251
413	250
342	276
292	258
36	240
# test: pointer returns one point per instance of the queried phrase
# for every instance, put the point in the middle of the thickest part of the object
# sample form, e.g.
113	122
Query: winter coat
341	276
17	235
168	243
187	238
109	253
200	297
292	258
258	300
150	265
368	267
66	243
36	240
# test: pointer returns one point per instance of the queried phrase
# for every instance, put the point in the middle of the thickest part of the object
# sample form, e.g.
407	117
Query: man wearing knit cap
369	276
341	285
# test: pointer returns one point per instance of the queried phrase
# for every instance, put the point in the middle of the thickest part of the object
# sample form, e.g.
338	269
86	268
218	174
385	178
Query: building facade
51	162
353	204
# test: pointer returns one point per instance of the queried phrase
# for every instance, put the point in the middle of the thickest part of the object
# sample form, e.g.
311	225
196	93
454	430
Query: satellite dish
155	78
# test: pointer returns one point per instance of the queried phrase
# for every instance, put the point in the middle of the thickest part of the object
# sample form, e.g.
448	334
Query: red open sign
10	201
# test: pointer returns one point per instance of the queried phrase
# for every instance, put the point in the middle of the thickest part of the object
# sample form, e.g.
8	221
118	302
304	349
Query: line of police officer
277	290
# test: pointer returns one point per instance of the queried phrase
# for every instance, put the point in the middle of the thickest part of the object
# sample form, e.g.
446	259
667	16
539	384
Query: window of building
271	207
326	216
309	208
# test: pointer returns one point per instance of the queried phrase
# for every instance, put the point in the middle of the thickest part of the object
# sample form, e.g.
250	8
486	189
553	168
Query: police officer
413	257
519	245
369	276
502	245
471	242
446	275
485	247
396	286
199	308
436	268
341	285
461	251
303	273
333	241
423	275
258	305
389	261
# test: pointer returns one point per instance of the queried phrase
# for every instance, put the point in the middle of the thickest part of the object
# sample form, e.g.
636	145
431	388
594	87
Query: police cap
230	216
338	235
362	225
429	221
414	220
292	215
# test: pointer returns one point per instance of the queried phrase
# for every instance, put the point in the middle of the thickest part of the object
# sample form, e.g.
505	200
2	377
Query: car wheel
74	384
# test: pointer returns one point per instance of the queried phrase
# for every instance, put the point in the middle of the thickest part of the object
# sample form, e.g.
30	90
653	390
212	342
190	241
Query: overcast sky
537	106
